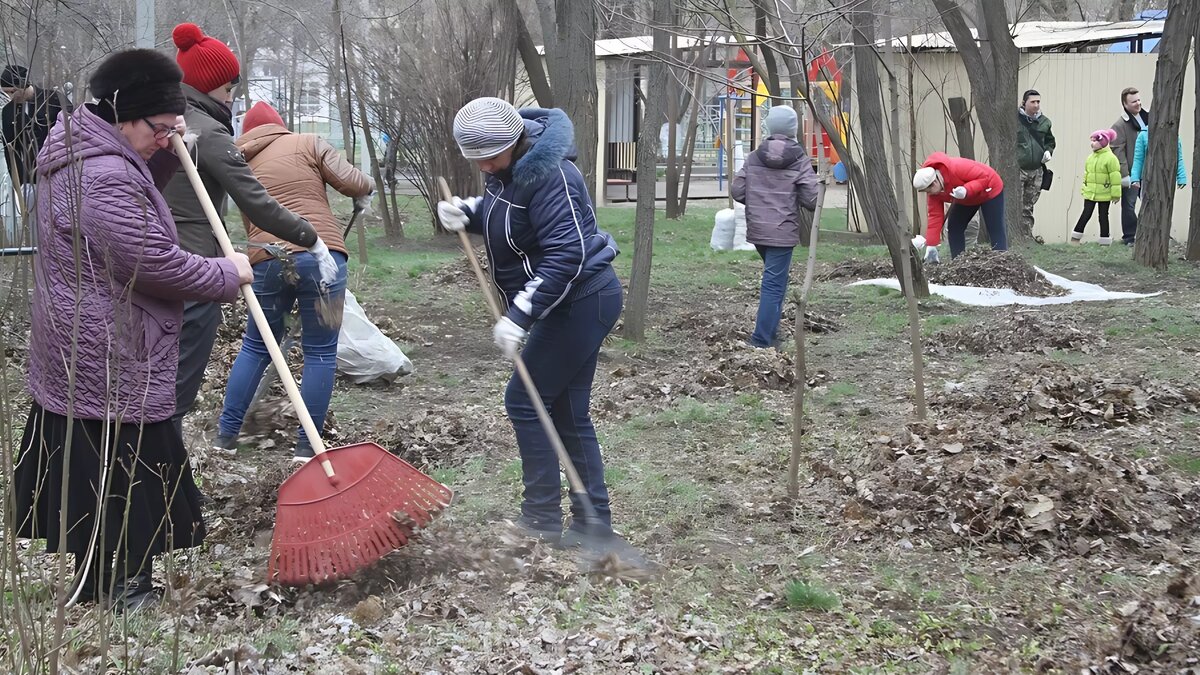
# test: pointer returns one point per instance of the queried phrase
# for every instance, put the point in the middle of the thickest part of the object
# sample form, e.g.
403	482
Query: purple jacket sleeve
806	183
122	225
738	189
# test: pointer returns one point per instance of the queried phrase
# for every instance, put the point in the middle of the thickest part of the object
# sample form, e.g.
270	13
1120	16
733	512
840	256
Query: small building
1080	80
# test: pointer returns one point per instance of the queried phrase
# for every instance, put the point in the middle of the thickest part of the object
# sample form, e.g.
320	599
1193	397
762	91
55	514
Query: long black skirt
135	477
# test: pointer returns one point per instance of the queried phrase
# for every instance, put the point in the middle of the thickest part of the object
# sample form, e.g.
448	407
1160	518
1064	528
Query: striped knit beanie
207	62
487	127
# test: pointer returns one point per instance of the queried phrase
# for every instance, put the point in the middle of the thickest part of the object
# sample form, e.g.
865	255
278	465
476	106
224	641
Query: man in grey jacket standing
774	184
210	71
1133	119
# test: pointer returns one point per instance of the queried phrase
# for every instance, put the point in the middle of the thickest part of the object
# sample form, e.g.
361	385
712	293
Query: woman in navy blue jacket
553	267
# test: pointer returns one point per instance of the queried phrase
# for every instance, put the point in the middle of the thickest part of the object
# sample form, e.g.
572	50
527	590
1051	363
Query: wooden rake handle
523	372
256	311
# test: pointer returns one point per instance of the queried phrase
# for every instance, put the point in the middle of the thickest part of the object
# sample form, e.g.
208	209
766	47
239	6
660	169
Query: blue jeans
561	355
1129	219
318	339
959	216
777	262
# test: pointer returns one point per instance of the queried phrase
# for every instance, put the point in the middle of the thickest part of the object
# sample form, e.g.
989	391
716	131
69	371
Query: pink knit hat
1104	136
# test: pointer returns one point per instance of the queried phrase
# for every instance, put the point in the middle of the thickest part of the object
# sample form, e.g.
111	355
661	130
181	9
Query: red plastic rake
330	524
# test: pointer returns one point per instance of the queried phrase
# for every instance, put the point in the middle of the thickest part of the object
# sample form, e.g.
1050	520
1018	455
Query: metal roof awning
1045	35
644	44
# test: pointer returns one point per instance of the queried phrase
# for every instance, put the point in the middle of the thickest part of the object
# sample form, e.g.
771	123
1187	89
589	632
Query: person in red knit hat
210	71
295	168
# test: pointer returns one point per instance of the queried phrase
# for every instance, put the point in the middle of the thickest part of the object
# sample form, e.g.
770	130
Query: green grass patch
1149	320
889	323
810	595
936	322
1187	463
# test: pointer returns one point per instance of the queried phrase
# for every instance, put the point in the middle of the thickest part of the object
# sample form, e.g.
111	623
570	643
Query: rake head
329	529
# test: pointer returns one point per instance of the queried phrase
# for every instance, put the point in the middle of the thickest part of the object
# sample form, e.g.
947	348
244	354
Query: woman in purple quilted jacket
109	285
776	182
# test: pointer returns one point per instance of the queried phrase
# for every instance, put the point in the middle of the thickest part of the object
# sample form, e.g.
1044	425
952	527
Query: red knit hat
206	62
259	114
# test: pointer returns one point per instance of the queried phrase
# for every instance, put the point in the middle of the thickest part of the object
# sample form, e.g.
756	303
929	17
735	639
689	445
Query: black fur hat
137	83
14	77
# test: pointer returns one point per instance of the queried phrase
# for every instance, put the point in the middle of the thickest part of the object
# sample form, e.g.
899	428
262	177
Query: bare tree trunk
672	94
293	87
894	137
1193	247
341	83
877	187
530	57
689	141
768	53
991	64
392	230
1158	180
637	306
1121	10
912	139
571	59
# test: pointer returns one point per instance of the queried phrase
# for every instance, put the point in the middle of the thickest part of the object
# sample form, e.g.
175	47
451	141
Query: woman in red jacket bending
969	187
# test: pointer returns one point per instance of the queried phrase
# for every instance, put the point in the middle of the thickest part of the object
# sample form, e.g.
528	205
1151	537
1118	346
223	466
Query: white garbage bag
722	234
739	229
364	353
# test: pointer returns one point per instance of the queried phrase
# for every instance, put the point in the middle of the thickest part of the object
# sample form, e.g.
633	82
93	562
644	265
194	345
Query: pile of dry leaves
1060	395
977	266
960	483
984	268
1162	633
856	268
1017	330
432	438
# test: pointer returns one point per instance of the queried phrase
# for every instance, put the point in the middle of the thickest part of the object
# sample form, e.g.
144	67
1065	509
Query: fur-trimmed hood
549	139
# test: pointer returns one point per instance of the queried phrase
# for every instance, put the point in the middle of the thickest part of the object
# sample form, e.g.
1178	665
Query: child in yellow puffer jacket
1101	185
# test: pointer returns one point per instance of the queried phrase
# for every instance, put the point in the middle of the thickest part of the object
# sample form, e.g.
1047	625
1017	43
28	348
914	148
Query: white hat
487	127
924	177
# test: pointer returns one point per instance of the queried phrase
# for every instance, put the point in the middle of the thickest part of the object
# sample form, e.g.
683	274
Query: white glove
453	213
325	262
918	242
1124	181
931	255
1045	157
363	204
959	192
509	337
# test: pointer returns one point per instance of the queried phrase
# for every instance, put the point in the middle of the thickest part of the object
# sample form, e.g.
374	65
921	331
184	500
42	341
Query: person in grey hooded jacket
210	71
775	183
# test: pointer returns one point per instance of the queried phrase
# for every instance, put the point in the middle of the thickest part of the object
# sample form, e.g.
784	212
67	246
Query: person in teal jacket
1101	185
1139	161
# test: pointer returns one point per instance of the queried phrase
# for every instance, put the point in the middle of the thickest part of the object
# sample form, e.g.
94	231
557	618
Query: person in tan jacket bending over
294	168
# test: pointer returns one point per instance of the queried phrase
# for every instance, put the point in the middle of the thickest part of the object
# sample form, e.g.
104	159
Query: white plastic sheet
364	353
1078	291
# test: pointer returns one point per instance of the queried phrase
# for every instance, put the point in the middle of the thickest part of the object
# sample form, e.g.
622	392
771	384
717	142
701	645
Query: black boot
135	590
93	582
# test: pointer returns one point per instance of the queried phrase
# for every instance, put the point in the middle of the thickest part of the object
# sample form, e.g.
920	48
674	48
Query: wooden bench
619	181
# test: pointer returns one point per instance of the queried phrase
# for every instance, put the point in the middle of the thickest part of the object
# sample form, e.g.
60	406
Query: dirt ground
1045	517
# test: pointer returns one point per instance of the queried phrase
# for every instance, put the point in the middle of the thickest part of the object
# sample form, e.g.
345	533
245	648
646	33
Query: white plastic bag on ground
739	229
722	234
364	353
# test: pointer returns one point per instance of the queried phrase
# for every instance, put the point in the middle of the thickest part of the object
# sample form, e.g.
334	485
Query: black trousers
1086	216
200	323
